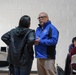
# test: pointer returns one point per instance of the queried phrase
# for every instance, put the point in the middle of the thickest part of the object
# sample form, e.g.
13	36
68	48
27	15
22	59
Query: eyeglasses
41	17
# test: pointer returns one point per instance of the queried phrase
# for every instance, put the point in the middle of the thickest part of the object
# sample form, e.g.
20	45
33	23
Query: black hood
21	31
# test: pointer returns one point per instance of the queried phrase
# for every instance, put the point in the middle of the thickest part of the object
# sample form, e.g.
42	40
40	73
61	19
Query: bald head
44	14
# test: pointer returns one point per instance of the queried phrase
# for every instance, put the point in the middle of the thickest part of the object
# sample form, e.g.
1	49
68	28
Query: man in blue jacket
45	45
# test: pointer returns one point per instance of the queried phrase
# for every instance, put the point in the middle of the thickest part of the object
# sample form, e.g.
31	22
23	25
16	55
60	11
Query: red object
73	51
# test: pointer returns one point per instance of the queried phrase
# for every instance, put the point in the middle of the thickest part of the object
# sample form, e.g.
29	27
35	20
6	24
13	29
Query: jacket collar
48	22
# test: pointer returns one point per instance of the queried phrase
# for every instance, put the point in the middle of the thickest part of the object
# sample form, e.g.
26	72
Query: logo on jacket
45	31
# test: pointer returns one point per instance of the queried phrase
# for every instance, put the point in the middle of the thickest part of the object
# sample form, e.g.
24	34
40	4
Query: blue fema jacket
48	39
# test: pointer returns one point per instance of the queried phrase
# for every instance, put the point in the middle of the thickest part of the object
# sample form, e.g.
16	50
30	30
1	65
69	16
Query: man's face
43	18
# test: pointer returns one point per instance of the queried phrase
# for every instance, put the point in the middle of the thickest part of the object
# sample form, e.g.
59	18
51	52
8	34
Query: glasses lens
41	17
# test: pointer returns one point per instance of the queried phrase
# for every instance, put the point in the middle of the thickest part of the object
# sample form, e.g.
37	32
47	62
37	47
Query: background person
68	60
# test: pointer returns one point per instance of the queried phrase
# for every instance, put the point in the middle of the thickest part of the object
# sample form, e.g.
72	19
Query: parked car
3	59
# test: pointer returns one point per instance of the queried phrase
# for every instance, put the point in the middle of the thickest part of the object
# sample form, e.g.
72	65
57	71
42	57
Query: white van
3	59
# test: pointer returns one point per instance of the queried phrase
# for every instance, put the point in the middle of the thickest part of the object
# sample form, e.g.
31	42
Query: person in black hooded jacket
20	41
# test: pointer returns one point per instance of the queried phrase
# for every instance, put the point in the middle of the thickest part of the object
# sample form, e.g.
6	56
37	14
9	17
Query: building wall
62	14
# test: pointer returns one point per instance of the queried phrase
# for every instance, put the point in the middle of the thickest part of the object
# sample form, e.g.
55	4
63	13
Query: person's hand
37	41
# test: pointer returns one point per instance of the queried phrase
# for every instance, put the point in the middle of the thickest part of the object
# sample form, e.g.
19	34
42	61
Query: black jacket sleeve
6	38
30	39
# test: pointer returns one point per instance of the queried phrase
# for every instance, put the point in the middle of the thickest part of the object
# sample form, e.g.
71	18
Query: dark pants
23	70
11	69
